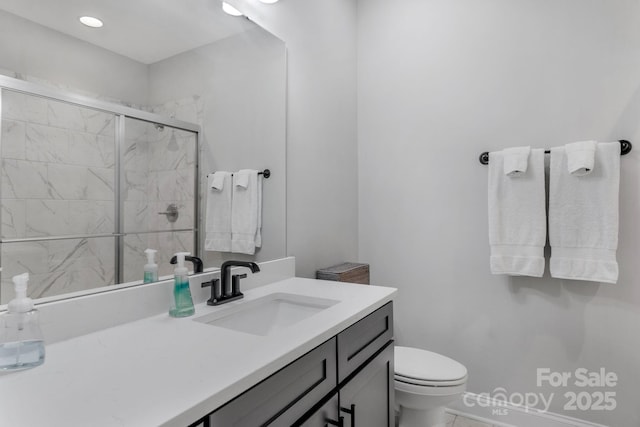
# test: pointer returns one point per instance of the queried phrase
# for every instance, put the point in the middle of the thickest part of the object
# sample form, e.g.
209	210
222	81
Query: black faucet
224	294
197	262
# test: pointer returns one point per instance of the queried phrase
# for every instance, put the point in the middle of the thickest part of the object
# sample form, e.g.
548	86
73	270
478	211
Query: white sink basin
269	314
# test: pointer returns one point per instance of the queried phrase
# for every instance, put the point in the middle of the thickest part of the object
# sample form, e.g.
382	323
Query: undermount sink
268	314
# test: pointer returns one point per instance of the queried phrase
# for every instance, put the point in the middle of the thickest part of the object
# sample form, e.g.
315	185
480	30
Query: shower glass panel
58	174
65	219
58	168
58	266
159	171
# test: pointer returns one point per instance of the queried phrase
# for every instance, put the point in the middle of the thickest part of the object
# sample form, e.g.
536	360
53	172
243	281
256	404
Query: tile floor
460	421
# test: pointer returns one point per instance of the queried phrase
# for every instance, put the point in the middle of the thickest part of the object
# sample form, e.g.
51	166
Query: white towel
583	217
217	183
244	218
516	160
517	220
259	229
580	157
218	212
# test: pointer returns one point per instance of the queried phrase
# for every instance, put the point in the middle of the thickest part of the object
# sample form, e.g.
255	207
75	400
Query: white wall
321	126
439	82
36	51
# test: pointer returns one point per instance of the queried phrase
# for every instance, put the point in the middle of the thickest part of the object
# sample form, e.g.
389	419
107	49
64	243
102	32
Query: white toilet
425	383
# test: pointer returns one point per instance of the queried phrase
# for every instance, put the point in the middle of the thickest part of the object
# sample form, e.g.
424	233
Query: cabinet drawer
285	396
363	339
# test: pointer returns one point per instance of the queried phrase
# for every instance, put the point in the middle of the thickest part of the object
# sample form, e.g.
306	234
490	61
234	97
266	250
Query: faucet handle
235	284
213	282
215	290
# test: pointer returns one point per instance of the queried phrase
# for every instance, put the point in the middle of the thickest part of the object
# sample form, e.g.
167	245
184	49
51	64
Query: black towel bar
265	173
625	148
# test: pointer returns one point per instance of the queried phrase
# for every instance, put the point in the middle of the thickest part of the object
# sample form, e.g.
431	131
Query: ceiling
144	30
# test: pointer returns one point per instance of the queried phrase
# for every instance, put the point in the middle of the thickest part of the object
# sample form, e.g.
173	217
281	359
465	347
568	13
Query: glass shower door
158	191
57	196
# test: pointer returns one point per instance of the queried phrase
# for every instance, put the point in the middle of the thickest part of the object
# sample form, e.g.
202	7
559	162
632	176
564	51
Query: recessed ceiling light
90	21
269	1
228	9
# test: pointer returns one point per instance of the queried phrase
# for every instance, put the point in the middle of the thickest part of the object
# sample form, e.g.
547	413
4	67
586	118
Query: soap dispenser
181	291
21	343
150	268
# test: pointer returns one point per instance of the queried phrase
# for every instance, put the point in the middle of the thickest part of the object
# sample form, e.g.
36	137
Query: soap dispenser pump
21	343
181	291
150	268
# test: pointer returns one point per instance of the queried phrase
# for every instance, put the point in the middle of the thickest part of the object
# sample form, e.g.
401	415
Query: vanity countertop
162	371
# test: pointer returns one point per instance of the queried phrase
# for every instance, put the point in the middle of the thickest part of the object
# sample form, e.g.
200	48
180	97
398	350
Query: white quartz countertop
161	371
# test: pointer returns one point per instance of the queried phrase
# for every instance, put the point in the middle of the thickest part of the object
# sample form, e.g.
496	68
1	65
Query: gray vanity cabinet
360	341
285	396
349	377
367	399
365	374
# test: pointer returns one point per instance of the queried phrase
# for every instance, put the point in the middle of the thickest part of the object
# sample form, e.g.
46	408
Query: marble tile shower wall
57	179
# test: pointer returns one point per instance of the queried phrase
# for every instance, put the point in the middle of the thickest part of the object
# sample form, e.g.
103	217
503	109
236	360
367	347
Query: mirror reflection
87	188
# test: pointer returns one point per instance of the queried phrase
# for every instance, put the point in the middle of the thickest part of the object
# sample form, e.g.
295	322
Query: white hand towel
517	220
217	182
218	213
580	157
516	160
244	218
583	217
259	229
241	179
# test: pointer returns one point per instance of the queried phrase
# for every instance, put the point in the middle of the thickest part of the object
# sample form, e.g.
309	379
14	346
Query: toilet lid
422	365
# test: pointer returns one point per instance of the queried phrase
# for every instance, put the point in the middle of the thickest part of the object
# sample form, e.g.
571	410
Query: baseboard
505	414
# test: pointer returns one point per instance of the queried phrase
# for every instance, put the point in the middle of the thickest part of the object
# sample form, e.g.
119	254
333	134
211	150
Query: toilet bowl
425	383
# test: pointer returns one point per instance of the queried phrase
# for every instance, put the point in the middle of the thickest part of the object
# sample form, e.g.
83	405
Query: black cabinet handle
339	423
351	411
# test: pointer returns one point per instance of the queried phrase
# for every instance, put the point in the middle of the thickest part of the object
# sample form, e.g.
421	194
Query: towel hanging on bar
625	148
265	173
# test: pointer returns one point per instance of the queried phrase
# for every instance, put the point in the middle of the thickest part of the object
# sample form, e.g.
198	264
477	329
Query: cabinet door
327	416
367	400
360	341
285	396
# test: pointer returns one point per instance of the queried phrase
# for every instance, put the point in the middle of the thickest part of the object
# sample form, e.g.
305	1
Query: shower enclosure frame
120	113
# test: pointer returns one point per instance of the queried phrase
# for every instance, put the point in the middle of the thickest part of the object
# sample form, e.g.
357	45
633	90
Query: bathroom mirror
85	189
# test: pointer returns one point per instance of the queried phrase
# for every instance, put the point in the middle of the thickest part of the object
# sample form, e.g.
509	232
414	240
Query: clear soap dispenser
21	343
150	268
181	291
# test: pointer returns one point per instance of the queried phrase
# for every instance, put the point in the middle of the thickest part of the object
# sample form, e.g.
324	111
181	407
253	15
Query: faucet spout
225	272
249	264
198	267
